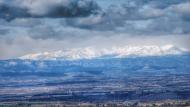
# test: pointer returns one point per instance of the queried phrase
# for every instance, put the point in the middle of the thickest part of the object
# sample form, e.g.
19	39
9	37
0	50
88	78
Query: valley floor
142	81
167	103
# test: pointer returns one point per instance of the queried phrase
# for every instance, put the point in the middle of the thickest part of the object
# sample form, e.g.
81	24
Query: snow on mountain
117	52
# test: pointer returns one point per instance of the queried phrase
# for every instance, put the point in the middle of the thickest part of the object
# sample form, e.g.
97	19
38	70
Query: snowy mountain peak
89	53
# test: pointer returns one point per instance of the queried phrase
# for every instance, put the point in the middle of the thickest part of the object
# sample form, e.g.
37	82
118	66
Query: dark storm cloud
164	17
132	16
46	8
150	17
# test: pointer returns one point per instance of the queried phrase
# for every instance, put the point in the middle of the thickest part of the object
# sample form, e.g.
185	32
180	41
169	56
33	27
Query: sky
32	26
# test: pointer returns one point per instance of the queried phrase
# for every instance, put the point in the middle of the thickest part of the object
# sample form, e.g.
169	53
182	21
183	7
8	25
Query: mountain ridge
114	52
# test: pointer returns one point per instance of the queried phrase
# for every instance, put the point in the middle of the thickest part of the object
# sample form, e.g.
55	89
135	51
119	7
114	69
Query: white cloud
183	8
22	45
151	12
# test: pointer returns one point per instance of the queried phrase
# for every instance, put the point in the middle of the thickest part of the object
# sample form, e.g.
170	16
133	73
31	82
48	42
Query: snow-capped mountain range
115	52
